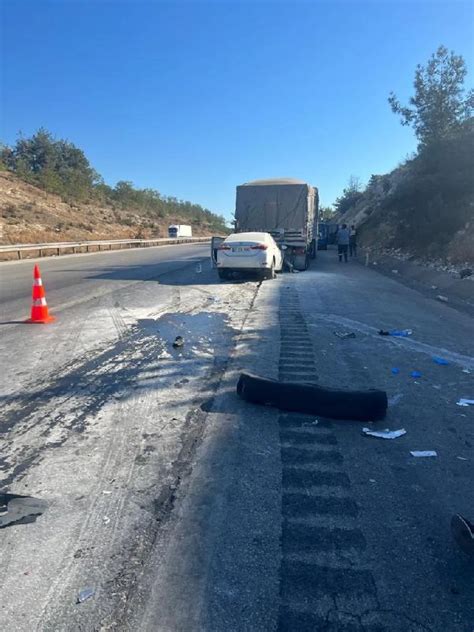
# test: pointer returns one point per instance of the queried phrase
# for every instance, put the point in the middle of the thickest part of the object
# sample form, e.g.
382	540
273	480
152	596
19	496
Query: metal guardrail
98	245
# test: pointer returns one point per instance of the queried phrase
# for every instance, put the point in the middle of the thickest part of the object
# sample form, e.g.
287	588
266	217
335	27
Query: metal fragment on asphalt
465	402
423	453
384	434
344	334
85	594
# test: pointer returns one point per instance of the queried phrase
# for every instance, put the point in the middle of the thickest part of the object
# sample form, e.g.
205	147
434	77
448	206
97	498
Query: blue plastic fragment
415	374
403	333
395	371
440	361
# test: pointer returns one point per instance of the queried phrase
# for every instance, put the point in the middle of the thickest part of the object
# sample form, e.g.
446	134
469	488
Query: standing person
342	242
353	241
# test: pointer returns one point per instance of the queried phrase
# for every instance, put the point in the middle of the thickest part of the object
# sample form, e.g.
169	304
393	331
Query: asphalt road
188	509
292	523
76	278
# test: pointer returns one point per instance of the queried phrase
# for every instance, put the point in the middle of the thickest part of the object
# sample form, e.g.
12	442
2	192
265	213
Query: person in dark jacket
342	242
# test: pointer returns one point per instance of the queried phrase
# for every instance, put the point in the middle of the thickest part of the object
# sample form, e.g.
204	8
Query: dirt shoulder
441	282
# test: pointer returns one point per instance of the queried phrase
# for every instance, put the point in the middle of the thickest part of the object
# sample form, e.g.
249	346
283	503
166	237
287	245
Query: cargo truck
285	208
180	230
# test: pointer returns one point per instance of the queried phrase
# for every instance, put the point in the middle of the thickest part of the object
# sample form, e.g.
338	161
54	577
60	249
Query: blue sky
193	98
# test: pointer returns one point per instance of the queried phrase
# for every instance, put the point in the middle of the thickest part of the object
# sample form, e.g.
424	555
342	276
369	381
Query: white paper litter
394	399
384	434
465	402
462	458
423	453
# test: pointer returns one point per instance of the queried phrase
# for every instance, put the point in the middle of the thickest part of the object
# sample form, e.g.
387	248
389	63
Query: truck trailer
285	208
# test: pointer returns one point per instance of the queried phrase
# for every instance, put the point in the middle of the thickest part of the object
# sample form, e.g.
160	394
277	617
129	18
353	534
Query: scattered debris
465	402
395	371
106	520
392	401
311	423
344	334
434	287
415	374
467	272
384	434
423	453
440	361
85	594
178	342
401	333
462	458
443	299
106	492
16	509
394	271
372	480
199	268
466	371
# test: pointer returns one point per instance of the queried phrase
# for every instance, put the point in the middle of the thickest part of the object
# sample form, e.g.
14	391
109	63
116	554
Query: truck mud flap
303	398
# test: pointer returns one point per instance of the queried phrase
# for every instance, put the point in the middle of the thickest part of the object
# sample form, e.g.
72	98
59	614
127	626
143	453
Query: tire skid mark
322	569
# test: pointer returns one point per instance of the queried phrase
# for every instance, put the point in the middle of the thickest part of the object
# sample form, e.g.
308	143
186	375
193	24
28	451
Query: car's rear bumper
243	263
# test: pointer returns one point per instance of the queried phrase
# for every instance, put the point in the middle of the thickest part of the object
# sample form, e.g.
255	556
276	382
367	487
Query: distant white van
180	230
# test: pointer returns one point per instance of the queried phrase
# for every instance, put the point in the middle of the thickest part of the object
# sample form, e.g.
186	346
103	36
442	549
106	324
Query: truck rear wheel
300	262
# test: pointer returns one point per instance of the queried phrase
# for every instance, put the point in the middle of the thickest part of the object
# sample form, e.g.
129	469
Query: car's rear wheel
271	274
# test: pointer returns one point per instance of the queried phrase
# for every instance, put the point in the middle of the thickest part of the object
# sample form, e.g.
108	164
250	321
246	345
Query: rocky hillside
29	214
423	209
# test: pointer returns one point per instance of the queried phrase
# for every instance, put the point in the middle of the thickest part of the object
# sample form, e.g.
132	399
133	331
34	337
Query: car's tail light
224	247
259	247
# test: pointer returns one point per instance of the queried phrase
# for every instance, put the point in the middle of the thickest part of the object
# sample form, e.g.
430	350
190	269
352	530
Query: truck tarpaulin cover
267	205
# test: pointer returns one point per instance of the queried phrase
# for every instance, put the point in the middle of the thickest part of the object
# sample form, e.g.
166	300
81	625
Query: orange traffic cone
39	308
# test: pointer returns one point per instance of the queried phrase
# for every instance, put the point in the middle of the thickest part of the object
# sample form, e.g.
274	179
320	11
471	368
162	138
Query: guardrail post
19	254
40	252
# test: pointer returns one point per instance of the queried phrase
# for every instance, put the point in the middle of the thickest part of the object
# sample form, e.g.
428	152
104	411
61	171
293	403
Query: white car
249	252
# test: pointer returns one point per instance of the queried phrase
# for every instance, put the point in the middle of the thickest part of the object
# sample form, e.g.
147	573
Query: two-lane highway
72	277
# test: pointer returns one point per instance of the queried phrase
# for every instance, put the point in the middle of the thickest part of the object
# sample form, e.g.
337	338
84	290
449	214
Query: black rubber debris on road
304	398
